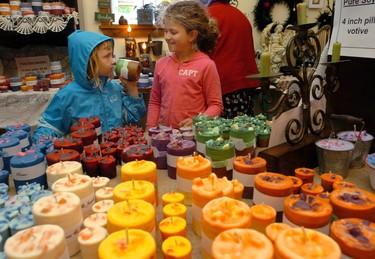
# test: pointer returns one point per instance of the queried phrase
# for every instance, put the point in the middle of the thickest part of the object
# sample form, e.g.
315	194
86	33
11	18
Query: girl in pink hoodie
186	83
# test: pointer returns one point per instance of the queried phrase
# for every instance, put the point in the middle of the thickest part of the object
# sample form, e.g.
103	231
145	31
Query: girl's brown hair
93	65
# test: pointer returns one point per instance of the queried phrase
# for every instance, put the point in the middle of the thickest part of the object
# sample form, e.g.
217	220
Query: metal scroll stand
302	54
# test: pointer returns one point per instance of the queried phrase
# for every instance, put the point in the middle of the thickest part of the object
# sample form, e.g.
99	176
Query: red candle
107	166
137	152
91	150
62	155
96	122
87	136
109	151
91	165
84	125
107	144
70	143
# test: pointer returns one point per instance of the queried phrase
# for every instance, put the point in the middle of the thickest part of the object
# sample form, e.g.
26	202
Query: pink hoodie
184	90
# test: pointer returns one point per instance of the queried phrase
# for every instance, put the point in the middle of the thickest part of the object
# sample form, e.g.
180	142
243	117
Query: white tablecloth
25	107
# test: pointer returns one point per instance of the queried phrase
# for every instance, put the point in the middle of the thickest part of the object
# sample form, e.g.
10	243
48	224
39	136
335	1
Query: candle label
71	234
28	173
87	203
241	145
246	179
276	202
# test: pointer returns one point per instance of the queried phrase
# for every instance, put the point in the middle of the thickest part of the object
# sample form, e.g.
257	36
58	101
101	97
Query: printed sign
33	65
104	4
104	17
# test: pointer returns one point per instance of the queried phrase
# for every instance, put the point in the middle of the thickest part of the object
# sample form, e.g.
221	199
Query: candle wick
133	183
69	178
175	241
129	207
304	235
172	220
55	199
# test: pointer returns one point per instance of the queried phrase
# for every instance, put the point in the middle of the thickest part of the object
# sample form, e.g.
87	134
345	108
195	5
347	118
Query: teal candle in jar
221	152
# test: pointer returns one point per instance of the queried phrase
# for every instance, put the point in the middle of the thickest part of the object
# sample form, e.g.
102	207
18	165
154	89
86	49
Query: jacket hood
80	46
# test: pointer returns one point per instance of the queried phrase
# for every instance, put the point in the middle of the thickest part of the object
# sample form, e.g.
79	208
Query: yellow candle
301	13
131	243
174	210
263	215
136	189
141	170
105	193
172	226
336	51
176	247
265	64
242	243
131	214
172	197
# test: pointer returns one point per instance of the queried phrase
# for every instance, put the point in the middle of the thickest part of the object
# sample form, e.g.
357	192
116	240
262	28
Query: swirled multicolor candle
172	197
219	215
172	226
129	243
176	247
305	174
89	240
105	193
132	214
99	182
175	210
221	153
96	220
239	243
305	243
141	170
102	206
274	229
62	169
28	167
80	185
355	237
307	211
189	168
263	215
272	189
175	149
135	189
62	209
353	203
205	190
244	170
44	241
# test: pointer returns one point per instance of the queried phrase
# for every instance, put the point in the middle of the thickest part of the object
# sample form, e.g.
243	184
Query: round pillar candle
353	203
80	185
158	129
62	169
87	136
107	166
238	189
44	241
172	226
56	156
312	189
84	125
203	135
343	184
175	149
243	136
274	229
240	243
135	189
91	165
305	174
244	170
297	184
129	243
96	220
18	126
102	206
205	190
176	247
307	211
70	143
9	147
94	120
354	236
172	197
92	150
99	182
109	151
23	136
262	216
62	209
137	152
89	240
189	168
327	180
132	214
104	193
305	243
141	170
175	210
159	145
221	153
219	215
272	189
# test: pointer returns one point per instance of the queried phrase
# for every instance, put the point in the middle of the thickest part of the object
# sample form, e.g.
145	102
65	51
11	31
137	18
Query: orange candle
327	180
263	215
129	243
274	229
343	184
172	226
312	189
174	210
238	189
176	247
297	183
244	170
305	174
205	190
141	170
219	215
172	197
307	211
305	243
136	189
187	169
239	243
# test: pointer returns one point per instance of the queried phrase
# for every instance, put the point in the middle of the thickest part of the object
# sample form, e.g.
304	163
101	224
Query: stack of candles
175	149
94	120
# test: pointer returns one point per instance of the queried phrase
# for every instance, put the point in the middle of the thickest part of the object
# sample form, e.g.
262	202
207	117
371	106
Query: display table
25	107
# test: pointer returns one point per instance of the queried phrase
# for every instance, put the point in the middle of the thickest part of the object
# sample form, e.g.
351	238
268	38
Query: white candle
89	240
61	170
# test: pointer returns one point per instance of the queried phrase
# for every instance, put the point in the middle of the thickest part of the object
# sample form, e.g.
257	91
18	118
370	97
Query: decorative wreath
262	12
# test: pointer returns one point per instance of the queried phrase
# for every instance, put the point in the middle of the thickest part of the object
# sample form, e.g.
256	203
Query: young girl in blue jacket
92	92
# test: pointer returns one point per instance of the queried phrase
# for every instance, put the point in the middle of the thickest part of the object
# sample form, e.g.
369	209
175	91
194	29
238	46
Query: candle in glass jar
336	51
265	64
301	13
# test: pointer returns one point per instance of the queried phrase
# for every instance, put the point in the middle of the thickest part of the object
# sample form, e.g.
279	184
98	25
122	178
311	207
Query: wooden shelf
137	30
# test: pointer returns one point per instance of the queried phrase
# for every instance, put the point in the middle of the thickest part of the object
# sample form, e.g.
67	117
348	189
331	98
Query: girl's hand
186	122
131	86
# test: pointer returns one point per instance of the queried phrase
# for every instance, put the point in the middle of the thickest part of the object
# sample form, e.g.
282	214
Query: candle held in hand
301	13
336	50
265	64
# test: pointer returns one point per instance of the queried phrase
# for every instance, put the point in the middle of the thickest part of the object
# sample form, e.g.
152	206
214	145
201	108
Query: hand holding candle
336	50
265	64
301	13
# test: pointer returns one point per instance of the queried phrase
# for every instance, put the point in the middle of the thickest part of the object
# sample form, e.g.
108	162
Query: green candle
301	13
265	64
336	50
